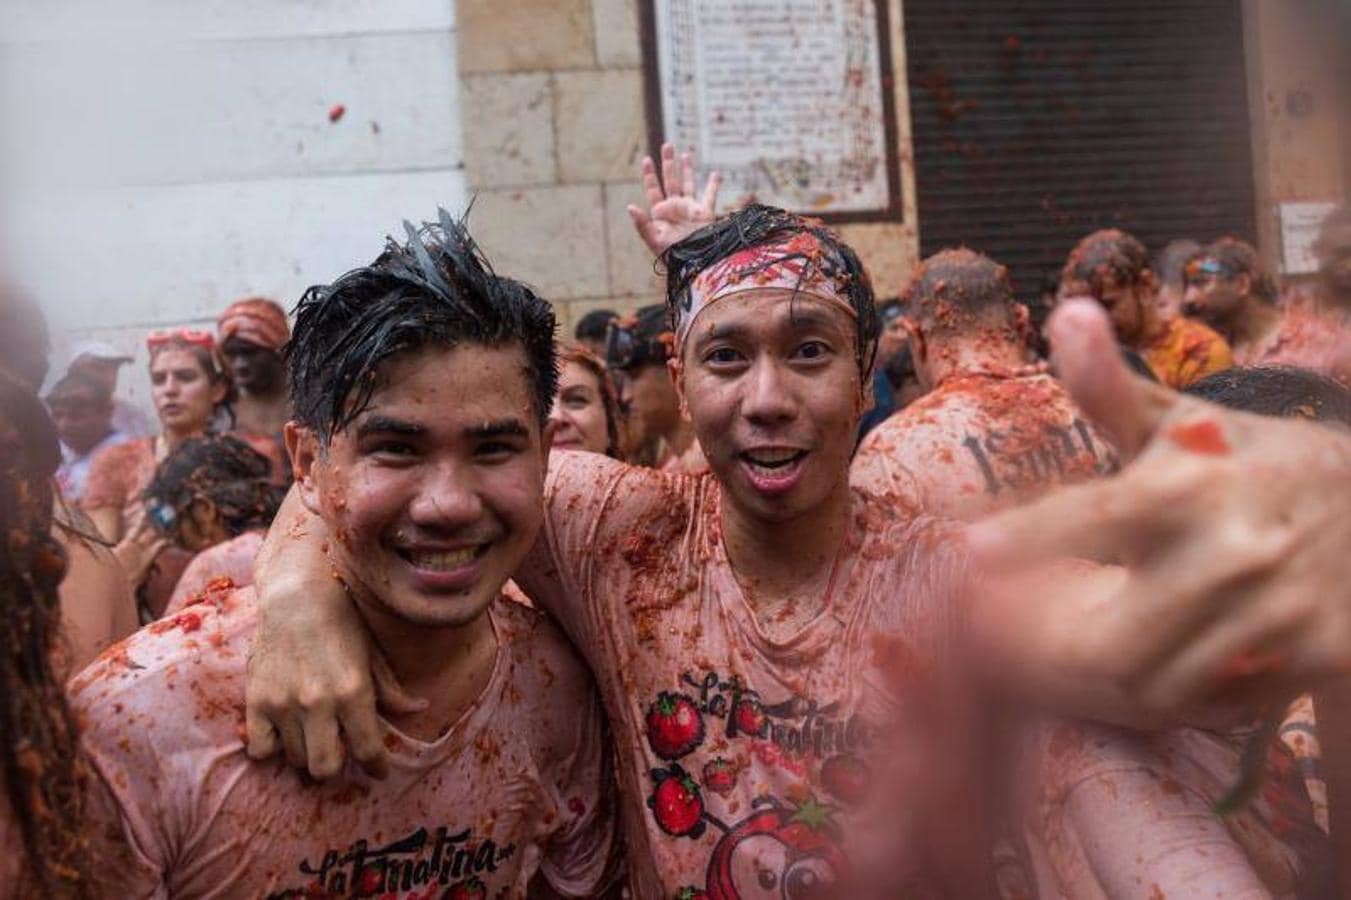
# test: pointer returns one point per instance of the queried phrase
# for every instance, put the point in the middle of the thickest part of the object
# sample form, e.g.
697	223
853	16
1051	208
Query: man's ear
1022	323
676	370
914	332
1244	284
1149	281
303	446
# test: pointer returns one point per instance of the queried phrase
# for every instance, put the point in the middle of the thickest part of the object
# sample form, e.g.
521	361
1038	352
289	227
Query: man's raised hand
674	212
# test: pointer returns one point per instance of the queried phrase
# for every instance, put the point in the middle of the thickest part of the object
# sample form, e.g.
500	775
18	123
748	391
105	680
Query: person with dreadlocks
993	428
421	385
1112	267
213	496
41	820
1228	287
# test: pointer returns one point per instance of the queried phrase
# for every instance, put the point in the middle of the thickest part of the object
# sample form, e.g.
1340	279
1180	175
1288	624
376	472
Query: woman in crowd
213	497
41	816
188	385
585	413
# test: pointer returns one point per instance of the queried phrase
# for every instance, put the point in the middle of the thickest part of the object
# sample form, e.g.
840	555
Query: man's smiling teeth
772	458
442	560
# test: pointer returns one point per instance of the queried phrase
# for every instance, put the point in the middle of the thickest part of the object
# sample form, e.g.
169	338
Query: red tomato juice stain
1204	437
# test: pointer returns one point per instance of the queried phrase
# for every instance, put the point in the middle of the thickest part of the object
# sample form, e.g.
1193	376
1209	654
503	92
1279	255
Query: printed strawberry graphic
846	777
691	893
674	725
749	717
720	776
676	803
470	889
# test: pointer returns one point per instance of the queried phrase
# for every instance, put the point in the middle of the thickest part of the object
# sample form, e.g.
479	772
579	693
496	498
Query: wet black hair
754	225
956	287
1170	263
1235	258
593	325
435	290
1107	254
1281	391
223	469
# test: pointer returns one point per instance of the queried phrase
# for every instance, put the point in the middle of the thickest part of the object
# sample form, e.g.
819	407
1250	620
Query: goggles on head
163	516
625	350
1203	268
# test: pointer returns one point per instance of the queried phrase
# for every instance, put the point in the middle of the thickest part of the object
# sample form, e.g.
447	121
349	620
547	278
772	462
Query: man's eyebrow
500	428
378	424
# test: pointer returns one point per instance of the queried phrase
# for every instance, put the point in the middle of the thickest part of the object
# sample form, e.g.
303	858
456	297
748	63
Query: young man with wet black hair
1112	267
421	385
993	428
1229	288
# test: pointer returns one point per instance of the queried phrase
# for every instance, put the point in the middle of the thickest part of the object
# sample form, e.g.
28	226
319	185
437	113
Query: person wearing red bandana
993	428
252	333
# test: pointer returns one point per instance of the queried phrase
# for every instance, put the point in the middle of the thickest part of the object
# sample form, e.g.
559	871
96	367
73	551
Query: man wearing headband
636	353
1228	288
252	333
1112	267
994	428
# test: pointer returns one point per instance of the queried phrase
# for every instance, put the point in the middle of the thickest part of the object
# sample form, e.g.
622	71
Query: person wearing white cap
101	361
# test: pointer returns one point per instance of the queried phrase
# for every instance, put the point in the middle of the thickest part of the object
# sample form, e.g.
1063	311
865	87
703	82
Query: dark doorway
1038	122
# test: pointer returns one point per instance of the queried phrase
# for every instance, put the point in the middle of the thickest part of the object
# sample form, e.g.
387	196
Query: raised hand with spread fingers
674	212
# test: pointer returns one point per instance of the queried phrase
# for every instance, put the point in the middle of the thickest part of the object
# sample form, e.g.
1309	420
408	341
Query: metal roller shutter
1038	122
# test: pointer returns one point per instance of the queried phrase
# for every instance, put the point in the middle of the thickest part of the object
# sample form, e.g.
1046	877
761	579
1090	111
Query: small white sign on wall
1300	223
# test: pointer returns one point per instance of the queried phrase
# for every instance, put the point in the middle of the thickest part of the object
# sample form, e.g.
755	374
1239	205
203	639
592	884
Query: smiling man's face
434	493
772	387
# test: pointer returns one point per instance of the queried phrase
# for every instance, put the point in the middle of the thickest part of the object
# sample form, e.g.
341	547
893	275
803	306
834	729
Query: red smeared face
434	494
1214	299
771	385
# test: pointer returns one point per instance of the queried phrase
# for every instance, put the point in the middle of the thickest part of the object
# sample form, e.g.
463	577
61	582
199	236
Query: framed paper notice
791	100
1300	224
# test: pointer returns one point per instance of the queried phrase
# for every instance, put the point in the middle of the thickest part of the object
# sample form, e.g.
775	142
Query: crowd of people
772	589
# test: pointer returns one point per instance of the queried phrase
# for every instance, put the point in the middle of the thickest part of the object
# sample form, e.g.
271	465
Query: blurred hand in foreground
1234	532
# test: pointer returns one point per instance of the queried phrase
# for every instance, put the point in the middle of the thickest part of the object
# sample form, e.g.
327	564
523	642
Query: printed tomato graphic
845	777
780	851
674	725
749	717
720	776
470	889
676	803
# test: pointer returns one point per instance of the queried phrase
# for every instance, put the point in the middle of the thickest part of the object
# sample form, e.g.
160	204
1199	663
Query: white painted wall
161	157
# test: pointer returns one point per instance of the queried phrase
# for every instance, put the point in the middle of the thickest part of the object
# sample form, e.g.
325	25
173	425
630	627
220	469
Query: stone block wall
554	130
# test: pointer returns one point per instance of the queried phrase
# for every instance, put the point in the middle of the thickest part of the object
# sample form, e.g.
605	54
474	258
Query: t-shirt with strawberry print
743	759
517	786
